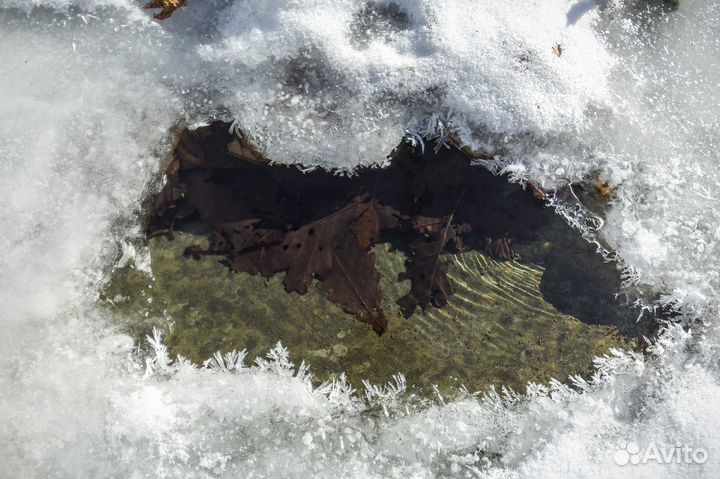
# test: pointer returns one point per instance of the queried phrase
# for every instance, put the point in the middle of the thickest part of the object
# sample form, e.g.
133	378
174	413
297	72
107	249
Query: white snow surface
90	91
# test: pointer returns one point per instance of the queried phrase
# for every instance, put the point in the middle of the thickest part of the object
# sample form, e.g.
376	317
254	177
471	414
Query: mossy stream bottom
496	330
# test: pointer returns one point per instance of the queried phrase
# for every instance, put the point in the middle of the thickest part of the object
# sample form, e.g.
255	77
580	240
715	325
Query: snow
91	90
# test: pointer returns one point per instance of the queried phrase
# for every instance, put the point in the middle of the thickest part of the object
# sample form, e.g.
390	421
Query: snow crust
90	90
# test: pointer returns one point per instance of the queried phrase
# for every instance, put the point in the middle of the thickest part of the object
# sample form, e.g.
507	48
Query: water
91	90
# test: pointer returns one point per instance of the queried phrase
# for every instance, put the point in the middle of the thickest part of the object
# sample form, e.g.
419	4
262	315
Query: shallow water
546	314
496	330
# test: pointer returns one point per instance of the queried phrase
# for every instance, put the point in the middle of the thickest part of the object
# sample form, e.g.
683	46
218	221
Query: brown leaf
426	225
501	248
335	250
538	192
427	270
367	228
605	190
269	218
167	7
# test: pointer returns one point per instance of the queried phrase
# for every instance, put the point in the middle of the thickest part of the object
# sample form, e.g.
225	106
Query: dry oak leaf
168	7
605	190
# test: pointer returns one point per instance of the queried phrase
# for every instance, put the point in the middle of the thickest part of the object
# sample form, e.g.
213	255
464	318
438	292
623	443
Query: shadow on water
269	218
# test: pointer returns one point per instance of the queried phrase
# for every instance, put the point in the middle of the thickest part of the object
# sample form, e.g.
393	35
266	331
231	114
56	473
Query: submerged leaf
320	227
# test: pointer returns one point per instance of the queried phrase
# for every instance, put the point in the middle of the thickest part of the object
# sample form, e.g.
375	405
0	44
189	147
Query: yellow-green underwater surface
497	329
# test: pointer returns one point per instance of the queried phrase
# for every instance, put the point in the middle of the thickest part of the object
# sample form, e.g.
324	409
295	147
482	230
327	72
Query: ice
334	83
91	90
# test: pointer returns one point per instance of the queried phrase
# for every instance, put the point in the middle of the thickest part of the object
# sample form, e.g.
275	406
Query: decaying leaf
538	192
318	226
427	270
501	248
605	190
167	7
334	249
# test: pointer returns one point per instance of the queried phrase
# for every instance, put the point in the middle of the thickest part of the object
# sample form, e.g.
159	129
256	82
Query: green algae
498	328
